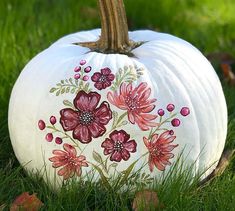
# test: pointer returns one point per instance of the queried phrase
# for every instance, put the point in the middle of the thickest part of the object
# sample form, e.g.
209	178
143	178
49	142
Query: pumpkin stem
114	30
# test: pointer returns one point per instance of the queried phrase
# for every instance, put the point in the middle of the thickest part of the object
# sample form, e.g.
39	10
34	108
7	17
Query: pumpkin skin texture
173	70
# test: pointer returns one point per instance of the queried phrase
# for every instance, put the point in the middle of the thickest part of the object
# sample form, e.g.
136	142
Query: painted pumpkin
76	110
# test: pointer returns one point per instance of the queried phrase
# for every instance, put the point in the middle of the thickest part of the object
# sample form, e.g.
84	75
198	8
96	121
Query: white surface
175	70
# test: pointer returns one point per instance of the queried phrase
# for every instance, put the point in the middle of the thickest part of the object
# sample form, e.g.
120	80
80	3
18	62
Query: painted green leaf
127	74
97	157
67	89
50	127
125	122
86	87
62	90
121	117
68	103
52	89
57	93
73	90
115	116
114	165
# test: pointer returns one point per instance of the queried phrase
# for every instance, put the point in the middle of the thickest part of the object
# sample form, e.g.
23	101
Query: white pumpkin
66	104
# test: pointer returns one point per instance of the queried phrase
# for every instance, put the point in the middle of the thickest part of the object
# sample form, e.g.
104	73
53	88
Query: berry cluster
49	136
80	70
175	122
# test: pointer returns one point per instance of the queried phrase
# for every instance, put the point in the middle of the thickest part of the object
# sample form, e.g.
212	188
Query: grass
27	27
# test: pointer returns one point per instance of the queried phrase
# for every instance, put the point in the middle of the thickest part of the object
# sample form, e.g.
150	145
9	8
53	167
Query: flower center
86	118
102	78
71	161
155	152
132	103
118	146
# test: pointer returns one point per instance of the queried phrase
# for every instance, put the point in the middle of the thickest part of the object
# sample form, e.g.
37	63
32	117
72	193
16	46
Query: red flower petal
151	163
146	142
82	133
70	149
105	71
66	172
165	135
130	146
120	136
145	95
165	162
108	151
103	113
131	117
106	84
57	158
125	154
147	109
110	77
96	129
59	153
144	124
81	158
158	164
85	164
139	89
59	163
116	156
86	102
148	116
108	143
123	89
69	119
96	76
78	171
99	85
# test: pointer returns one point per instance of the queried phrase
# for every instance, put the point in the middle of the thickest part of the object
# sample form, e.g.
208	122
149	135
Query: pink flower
159	148
72	164
102	79
88	120
137	103
119	146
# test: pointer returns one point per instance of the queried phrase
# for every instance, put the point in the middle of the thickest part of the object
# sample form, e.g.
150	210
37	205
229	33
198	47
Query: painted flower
160	148
69	161
88	120
119	146
102	79
137	103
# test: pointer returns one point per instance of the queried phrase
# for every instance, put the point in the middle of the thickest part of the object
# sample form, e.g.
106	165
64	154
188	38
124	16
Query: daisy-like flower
137	103
119	146
88	120
160	148
69	161
103	78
